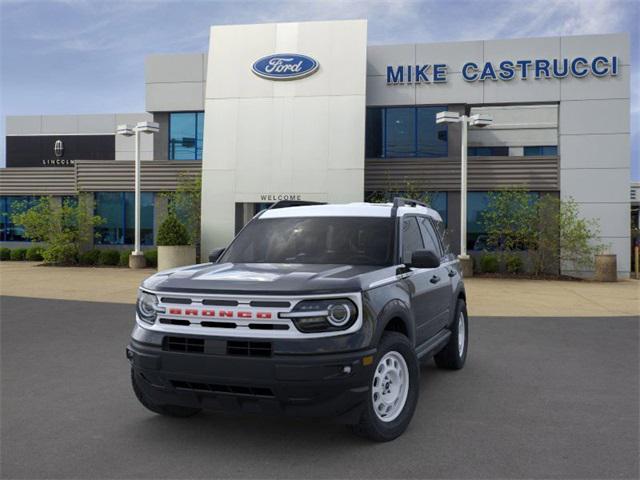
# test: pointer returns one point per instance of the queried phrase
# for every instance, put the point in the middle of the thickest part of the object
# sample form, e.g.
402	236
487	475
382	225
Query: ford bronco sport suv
313	309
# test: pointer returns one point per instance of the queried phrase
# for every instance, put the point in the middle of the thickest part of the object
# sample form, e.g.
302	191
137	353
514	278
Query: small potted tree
174	249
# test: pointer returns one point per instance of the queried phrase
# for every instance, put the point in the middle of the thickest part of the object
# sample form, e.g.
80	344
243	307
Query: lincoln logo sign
285	66
505	70
58	148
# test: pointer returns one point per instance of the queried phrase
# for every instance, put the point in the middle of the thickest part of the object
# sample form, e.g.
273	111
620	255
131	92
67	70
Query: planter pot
606	268
176	256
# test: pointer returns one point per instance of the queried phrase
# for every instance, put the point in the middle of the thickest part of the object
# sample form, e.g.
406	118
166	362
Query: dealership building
309	111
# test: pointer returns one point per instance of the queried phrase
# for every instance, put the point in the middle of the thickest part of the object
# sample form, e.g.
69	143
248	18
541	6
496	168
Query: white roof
360	209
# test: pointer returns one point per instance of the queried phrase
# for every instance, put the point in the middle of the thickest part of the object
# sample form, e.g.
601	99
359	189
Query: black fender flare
395	309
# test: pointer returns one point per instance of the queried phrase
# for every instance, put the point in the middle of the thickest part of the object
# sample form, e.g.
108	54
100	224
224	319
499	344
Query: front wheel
454	354
394	388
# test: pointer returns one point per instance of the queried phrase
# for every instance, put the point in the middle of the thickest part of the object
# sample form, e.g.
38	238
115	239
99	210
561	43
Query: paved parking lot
540	397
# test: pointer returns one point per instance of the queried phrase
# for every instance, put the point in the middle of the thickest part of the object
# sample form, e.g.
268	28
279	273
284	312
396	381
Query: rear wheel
454	354
168	410
393	395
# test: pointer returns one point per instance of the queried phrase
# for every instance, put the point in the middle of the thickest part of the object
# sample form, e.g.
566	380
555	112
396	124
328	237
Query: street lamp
136	259
477	120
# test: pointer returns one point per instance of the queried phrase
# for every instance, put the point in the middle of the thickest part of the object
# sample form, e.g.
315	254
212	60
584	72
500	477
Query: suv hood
267	278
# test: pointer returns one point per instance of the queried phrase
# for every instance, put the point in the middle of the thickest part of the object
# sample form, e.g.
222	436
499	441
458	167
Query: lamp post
136	259
477	120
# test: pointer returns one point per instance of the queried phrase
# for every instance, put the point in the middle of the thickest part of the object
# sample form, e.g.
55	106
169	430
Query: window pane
532	151
400	132
551	150
429	237
411	238
438	202
373	135
432	137
199	134
109	207
477	203
8	206
182	136
146	218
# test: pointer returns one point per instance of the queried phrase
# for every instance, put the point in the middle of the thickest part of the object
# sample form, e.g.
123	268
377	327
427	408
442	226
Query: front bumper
318	384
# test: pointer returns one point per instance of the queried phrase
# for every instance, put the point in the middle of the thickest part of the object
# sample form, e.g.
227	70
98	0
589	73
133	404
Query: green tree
509	219
63	227
184	203
172	232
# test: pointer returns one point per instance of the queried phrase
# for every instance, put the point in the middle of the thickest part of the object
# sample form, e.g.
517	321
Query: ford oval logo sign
285	66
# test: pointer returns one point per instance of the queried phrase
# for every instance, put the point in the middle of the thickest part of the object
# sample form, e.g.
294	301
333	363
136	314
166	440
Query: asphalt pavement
538	398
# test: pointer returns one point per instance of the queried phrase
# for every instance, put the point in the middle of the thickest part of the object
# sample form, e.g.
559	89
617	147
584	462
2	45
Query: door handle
452	273
435	279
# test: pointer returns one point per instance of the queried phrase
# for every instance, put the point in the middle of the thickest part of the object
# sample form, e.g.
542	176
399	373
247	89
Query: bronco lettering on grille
209	313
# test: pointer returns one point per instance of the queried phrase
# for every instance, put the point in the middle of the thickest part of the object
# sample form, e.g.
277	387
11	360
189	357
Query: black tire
370	425
449	357
167	410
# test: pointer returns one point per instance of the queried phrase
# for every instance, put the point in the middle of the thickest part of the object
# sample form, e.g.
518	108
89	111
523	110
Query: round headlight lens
147	306
339	314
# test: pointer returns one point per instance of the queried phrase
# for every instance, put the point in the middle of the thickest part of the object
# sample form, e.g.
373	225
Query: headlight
323	315
147	306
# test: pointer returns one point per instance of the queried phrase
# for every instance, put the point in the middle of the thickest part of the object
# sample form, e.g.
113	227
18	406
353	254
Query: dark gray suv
313	309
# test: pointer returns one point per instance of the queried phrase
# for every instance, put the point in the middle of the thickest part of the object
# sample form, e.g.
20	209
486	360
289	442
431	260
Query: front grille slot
268	326
218	324
174	321
183	344
215	388
269	304
180	301
249	349
222	303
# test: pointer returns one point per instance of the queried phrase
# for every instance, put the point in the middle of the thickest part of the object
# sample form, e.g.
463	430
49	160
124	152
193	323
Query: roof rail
293	203
402	202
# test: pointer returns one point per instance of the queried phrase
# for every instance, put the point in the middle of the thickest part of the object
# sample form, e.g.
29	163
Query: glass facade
185	135
541	151
488	151
9	232
405	132
117	209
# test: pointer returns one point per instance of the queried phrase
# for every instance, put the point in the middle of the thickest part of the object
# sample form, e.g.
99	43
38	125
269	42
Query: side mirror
215	255
424	259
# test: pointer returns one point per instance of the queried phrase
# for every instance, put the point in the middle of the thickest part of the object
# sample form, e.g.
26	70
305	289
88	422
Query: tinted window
117	210
430	239
185	135
9	206
400	132
331	240
432	137
373	136
488	151
541	151
411	238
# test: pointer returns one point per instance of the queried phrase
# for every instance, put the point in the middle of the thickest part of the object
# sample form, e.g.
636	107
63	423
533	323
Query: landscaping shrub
124	258
90	257
151	256
18	254
514	264
5	254
109	257
172	232
489	263
61	254
34	254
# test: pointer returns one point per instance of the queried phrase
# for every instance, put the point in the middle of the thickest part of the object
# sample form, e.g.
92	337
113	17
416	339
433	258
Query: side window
411	238
443	235
430	239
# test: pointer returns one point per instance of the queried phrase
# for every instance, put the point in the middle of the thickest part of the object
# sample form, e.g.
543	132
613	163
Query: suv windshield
331	240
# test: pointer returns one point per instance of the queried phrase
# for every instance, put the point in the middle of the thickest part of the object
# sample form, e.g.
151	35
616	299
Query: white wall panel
174	97
595	151
594	117
592	185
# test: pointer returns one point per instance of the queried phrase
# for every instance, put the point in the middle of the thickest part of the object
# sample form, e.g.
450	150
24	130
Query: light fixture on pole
136	259
477	120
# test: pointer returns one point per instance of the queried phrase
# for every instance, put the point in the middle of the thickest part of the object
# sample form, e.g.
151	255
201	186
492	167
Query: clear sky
86	56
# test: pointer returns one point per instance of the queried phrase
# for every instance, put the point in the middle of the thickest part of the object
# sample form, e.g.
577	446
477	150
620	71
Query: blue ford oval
285	66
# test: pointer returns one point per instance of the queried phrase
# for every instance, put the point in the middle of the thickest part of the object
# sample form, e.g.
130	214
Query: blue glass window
405	132
117	209
541	151
185	135
9	232
488	151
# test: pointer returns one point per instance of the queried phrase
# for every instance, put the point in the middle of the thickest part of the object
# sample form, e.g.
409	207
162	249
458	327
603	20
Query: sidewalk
485	297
